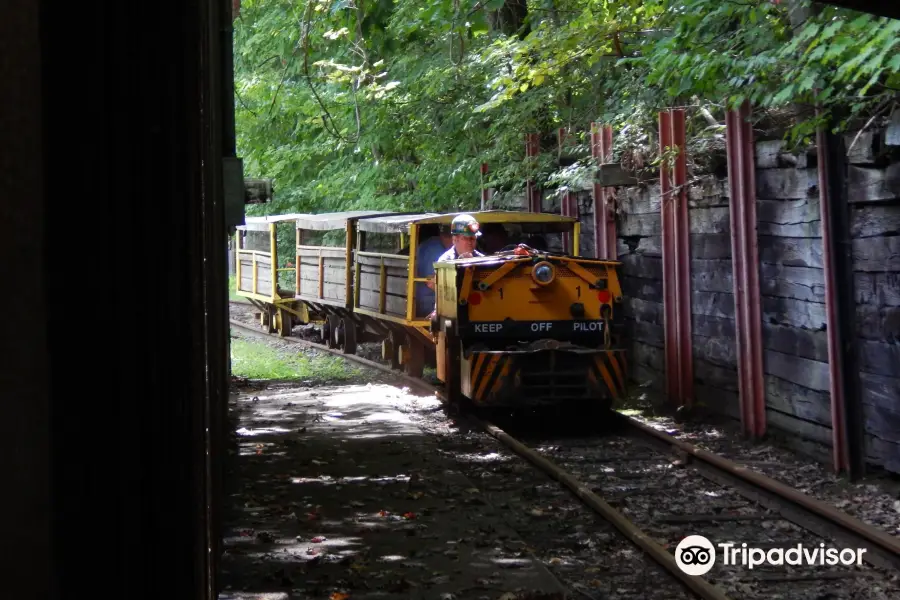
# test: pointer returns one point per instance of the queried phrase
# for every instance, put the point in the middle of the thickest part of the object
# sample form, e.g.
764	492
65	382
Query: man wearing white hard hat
465	232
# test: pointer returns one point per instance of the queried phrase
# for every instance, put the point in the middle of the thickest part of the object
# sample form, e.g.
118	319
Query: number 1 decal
501	292
578	289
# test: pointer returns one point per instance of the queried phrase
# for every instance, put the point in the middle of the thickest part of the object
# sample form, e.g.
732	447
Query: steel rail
698	585
883	550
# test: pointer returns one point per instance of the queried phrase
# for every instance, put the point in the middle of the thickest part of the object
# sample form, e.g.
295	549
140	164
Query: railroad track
655	489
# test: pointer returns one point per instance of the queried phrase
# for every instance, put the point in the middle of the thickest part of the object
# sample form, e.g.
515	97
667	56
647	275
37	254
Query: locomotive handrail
381	255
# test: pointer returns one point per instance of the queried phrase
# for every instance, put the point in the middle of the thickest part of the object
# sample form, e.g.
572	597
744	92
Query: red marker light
475	298
603	296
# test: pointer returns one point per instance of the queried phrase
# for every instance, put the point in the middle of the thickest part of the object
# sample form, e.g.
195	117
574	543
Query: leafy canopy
395	104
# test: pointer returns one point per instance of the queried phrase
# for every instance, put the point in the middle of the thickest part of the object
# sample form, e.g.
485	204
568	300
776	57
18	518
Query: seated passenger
434	242
495	238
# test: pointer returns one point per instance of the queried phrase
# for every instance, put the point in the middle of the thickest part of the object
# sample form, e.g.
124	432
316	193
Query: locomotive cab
530	328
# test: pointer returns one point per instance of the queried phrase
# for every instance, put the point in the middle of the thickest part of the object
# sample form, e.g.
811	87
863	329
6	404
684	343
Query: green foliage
395	104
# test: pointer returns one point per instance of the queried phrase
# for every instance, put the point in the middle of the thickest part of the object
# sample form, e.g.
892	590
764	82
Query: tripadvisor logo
696	555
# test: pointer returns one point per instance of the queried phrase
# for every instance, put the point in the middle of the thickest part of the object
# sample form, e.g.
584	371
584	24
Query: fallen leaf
318	539
409	515
338	596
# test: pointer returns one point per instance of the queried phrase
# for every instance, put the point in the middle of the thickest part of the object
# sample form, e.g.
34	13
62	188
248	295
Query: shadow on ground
338	494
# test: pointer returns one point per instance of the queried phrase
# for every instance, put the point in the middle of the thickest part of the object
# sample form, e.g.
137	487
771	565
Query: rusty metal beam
569	205
745	271
840	306
676	261
604	196
533	193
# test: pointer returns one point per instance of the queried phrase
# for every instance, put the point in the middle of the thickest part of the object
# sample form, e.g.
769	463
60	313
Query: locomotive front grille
551	377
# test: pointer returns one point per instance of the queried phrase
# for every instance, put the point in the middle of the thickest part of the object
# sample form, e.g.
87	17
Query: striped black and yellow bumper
544	377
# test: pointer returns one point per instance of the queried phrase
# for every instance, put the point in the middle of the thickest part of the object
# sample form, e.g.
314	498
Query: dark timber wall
792	285
712	299
551	203
792	294
639	248
874	194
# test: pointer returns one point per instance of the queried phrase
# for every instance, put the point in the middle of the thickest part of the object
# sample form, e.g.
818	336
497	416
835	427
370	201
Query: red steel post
533	194
745	271
604	210
839	424
568	206
676	261
683	260
668	262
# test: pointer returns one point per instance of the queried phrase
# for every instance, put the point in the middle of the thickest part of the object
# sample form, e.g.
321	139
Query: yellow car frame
257	282
385	283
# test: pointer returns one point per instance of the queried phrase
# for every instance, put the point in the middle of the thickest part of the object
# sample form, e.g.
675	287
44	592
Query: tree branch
327	119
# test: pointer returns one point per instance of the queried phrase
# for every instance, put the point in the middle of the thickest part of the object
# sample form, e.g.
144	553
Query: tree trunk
510	19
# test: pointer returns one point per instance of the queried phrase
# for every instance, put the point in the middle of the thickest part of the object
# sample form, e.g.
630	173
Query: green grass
256	360
232	289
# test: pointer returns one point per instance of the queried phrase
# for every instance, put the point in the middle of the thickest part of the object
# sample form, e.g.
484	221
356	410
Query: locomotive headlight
543	273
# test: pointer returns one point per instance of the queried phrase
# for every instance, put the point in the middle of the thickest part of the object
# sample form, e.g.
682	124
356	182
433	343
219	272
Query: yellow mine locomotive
520	327
528	328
